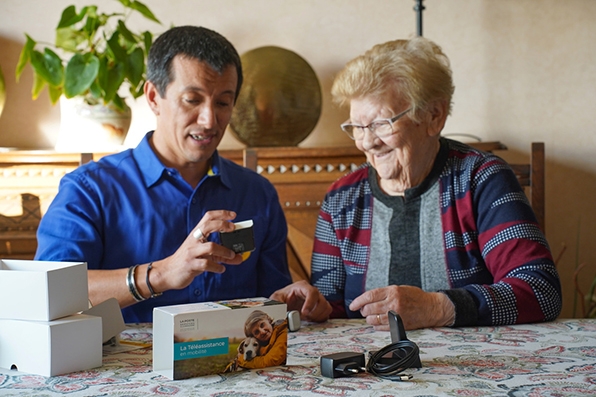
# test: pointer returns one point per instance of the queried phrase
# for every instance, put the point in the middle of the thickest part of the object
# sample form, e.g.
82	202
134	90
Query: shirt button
194	201
197	292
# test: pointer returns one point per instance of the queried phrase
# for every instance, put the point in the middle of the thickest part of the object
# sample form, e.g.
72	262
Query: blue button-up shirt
128	208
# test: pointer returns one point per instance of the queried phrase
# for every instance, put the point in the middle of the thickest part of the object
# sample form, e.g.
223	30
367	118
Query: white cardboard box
112	322
206	338
42	291
50	348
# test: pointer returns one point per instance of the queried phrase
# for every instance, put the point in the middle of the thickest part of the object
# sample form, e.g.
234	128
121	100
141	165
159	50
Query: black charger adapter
338	365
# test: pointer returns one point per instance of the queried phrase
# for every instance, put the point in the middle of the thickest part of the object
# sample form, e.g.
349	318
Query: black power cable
400	354
393	359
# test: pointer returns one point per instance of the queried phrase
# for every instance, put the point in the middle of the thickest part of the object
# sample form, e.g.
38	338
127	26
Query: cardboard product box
50	348
42	291
215	337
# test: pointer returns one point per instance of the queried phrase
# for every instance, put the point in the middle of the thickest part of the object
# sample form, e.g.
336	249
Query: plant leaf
93	23
68	38
148	39
114	45
119	103
94	89
143	9
115	77
80	72
25	56
70	17
48	66
38	84
135	66
102	76
126	34
55	93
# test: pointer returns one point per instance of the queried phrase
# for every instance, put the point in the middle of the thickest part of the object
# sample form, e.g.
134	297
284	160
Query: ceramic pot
86	128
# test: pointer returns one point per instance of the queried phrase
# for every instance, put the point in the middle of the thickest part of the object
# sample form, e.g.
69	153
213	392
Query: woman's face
262	330
390	155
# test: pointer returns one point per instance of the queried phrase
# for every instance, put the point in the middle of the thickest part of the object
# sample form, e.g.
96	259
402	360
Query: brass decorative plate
280	100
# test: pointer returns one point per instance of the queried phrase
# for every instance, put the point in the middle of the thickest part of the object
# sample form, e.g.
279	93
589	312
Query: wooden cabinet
28	183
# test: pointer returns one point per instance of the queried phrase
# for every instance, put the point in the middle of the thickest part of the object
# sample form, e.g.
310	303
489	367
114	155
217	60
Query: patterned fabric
495	257
545	359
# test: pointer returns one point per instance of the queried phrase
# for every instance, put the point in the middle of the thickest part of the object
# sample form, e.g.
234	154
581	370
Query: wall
524	70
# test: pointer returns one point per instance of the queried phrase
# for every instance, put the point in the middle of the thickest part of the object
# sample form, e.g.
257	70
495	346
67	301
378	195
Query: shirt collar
152	168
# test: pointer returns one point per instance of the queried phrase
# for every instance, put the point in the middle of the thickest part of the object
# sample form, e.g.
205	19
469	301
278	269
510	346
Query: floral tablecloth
549	359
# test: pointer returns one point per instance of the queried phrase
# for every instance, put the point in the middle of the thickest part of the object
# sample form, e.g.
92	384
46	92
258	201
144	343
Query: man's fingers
214	221
205	228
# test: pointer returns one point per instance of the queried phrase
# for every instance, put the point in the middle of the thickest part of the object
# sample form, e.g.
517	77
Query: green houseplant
98	54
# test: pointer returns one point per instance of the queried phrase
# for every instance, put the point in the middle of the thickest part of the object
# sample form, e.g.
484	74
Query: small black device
241	239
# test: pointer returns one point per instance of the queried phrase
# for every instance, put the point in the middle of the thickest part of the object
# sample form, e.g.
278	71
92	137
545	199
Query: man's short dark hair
194	42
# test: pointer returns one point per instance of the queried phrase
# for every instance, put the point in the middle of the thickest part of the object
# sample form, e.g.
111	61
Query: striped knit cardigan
497	262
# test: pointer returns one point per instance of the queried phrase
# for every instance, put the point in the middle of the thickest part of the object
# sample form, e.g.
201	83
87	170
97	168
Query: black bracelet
153	294
132	286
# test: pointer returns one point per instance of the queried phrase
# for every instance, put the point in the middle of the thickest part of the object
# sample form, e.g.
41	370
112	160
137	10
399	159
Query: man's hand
418	309
197	255
305	298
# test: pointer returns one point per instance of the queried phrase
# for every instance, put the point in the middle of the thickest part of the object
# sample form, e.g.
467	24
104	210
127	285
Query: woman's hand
305	298
417	308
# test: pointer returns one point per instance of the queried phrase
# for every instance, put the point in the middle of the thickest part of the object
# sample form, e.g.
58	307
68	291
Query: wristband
153	294
132	286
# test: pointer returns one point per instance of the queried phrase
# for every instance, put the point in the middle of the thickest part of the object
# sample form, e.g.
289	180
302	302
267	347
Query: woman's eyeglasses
382	128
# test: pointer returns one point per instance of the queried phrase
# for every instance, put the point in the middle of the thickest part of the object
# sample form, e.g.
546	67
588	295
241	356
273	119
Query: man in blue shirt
147	220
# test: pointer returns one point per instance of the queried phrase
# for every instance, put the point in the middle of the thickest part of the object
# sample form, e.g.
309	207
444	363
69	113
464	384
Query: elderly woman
431	228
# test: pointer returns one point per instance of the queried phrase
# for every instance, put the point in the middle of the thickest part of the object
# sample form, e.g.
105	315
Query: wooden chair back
532	176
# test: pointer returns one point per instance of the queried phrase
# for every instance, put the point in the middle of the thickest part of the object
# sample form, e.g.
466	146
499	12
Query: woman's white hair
416	70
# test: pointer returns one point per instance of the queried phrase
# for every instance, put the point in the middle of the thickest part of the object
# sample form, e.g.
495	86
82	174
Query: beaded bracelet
132	286
153	294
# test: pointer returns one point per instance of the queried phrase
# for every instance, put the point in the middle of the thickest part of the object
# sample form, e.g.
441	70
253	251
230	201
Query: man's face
196	109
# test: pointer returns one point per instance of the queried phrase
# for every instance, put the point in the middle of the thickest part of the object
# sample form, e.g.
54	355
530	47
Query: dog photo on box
215	337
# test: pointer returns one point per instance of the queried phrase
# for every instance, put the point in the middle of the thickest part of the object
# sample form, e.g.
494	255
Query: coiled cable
404	354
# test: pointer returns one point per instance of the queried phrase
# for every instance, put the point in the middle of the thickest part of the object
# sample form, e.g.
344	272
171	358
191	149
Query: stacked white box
50	348
40	330
42	291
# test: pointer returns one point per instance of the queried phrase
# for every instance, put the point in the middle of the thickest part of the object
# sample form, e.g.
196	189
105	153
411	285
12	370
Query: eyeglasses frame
390	120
